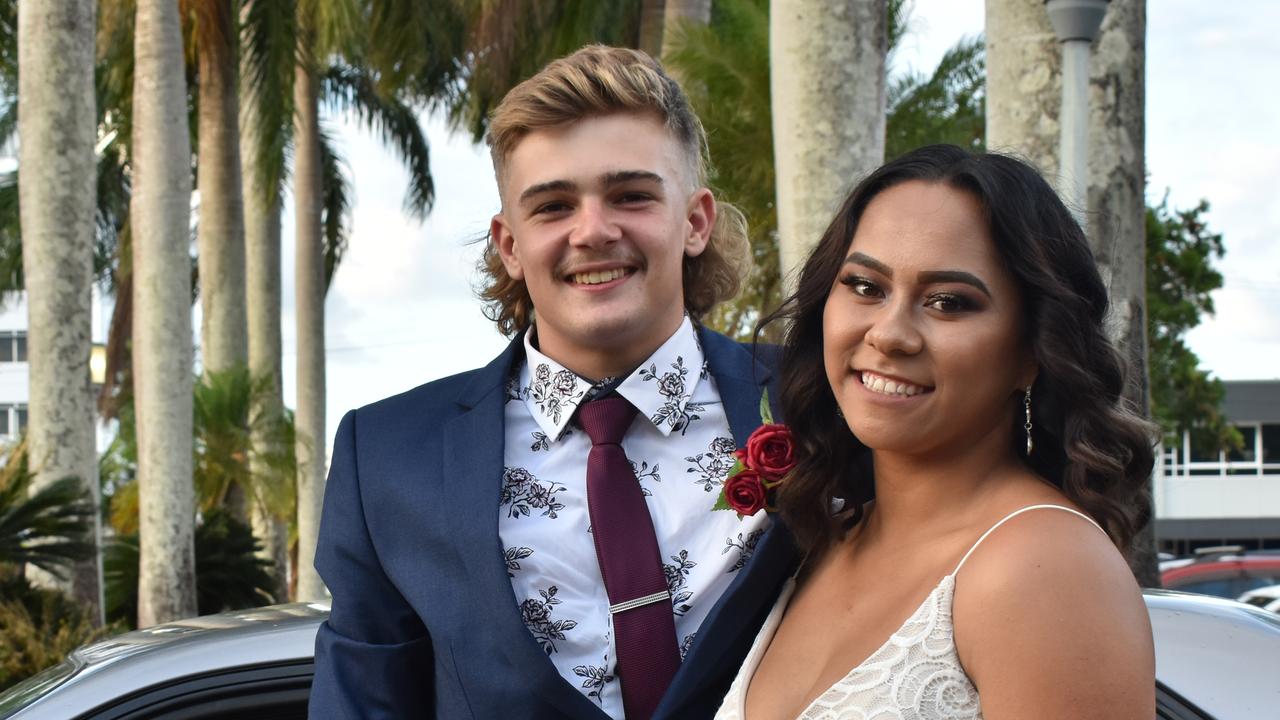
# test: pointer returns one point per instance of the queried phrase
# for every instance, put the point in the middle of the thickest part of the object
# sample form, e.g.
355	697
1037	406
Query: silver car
1215	659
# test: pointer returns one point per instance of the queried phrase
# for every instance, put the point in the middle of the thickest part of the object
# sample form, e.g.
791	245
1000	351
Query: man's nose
596	225
894	330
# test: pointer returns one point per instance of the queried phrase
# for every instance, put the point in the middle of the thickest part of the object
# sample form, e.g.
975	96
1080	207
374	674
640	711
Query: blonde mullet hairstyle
593	82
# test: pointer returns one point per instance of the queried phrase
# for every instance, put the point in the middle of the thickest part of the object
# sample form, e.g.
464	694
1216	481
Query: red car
1222	572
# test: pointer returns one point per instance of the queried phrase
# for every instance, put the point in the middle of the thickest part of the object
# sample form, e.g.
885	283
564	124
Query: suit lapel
473	474
729	629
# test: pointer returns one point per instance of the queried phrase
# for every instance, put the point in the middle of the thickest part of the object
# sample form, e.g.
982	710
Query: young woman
967	476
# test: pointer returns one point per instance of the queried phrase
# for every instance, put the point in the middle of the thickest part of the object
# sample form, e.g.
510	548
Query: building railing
1169	464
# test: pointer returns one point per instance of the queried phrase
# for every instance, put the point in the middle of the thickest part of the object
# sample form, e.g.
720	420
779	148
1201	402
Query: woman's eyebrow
959	276
865	260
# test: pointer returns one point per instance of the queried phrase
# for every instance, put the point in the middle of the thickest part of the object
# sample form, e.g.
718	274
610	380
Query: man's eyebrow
622	176
865	260
551	186
958	276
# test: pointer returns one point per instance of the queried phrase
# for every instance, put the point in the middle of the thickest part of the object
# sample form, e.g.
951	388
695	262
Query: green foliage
229	576
49	528
509	40
948	106
725	67
224	431
40	627
1180	277
335	207
349	89
268	38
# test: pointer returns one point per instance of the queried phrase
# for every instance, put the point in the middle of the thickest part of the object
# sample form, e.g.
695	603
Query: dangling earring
1026	403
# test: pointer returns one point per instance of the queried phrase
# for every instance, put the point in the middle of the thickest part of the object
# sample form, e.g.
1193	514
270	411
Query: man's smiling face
597	219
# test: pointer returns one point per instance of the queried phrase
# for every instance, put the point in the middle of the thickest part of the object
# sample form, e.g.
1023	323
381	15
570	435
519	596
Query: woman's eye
861	286
949	303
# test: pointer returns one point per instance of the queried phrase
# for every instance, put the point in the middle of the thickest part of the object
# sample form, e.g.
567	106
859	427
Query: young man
535	538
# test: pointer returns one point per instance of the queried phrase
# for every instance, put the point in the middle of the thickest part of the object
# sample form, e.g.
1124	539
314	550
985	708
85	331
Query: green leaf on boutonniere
766	415
722	500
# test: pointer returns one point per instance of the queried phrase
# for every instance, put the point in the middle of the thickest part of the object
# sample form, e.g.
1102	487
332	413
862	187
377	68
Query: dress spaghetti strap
1015	514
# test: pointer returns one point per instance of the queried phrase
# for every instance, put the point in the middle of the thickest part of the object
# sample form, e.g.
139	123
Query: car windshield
35	687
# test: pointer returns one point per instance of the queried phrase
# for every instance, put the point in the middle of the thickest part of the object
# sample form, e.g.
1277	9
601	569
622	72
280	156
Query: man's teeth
884	386
595	278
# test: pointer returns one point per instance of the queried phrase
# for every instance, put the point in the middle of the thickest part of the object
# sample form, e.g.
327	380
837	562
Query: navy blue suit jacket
424	622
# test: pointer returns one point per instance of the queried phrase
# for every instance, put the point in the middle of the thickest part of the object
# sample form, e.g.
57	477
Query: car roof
1219	654
118	666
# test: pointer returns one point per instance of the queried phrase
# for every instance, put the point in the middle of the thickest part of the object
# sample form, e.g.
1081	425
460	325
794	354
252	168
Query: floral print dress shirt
681	450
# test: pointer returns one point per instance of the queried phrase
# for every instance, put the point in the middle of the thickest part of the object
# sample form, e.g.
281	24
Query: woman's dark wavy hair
1087	442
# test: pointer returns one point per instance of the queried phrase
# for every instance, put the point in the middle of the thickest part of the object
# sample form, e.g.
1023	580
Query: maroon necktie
644	628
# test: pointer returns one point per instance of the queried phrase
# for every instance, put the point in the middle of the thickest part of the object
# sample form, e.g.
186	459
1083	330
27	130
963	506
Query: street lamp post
1076	23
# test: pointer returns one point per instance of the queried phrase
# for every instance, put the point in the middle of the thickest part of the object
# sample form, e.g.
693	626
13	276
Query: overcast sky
401	311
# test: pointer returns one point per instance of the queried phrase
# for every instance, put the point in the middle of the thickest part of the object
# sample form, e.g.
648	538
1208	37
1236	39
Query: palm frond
49	527
509	40
11	281
335	207
417	49
947	106
268	39
348	89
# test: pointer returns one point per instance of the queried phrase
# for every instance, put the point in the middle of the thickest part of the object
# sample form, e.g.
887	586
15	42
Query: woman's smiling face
922	329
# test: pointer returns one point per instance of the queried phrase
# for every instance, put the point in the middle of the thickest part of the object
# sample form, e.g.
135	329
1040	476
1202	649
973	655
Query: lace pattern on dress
915	675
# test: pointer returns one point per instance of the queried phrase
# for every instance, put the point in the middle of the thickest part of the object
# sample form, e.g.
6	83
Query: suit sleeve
373	654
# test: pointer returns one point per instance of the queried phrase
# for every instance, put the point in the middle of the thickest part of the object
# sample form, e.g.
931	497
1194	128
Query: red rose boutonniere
759	468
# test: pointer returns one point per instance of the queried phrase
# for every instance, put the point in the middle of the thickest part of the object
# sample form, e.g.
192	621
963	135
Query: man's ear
702	218
501	236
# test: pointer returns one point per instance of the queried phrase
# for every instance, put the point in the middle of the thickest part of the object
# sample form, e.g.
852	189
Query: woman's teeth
885	386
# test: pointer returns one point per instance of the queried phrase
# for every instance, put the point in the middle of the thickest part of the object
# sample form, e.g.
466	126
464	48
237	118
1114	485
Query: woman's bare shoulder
1048	615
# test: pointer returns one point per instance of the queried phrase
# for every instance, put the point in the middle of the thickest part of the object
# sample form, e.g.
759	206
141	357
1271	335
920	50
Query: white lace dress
915	675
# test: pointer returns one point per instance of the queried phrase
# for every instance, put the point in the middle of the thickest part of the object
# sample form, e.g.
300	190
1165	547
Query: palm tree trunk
57	203
262	279
220	237
1117	208
651	12
162	353
1024	83
827	78
309	280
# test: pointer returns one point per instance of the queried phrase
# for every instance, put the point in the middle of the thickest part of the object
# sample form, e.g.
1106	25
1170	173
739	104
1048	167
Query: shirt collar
660	388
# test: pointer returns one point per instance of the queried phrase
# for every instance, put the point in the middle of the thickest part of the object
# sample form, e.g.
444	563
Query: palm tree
266	70
309	283
337	67
1117	207
322	199
56	119
1024	82
828	79
224	342
162	351
727	66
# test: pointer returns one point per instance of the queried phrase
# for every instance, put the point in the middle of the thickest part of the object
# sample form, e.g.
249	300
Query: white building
1225	498
15	389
